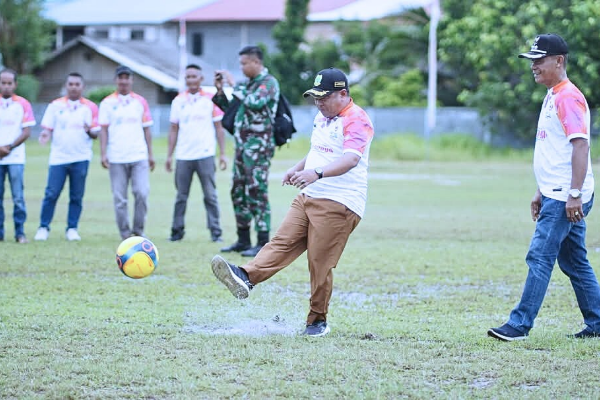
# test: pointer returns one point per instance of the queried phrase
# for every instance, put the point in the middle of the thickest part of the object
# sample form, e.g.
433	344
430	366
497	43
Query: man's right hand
104	162
168	164
4	150
221	76
44	137
536	205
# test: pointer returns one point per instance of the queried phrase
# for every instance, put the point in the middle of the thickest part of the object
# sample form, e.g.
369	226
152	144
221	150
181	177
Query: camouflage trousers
250	186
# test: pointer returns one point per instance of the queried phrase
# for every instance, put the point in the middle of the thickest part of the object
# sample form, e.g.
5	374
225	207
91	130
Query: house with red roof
155	38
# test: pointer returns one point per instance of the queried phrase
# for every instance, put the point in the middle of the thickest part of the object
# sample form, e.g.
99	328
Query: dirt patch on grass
255	328
270	310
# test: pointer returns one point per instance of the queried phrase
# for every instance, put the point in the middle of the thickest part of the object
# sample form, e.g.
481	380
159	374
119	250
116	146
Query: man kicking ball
332	180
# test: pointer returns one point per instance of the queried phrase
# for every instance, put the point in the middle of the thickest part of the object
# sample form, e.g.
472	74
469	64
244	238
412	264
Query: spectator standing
126	151
195	130
71	122
254	148
16	120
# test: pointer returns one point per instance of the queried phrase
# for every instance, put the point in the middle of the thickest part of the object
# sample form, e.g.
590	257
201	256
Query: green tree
25	36
388	51
481	43
289	64
404	91
28	86
324	54
98	94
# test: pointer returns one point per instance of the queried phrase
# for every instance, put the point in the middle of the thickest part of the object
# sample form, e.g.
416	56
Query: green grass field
437	260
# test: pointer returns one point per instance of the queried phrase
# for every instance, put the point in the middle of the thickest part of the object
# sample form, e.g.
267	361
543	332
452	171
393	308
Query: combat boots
262	239
242	244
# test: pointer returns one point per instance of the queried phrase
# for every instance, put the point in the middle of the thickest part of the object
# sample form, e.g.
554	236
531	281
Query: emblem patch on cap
318	80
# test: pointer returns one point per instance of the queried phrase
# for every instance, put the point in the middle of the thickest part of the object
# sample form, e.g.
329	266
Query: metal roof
105	12
156	63
244	10
365	10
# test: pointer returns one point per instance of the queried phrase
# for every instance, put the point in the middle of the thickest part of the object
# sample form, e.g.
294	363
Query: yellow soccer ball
137	257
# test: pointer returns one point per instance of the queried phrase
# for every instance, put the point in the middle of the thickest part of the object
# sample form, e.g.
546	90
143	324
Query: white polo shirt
67	119
565	116
195	114
349	132
126	117
15	114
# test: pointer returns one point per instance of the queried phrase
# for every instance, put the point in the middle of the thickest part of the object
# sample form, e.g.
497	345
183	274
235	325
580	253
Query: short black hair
10	71
194	66
252	51
75	74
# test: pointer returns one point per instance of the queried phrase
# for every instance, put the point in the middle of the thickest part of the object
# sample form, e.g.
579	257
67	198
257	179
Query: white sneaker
72	235
42	234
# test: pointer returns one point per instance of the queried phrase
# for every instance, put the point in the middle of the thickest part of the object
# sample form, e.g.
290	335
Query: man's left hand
302	179
574	209
223	162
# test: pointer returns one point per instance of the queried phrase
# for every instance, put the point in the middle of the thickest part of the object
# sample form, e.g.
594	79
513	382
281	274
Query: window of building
101	34
71	32
137	34
197	44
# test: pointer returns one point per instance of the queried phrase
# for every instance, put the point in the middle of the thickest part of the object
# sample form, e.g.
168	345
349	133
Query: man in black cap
332	180
126	150
564	195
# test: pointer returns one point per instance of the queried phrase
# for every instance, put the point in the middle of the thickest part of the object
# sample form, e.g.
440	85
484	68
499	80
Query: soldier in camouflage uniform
254	148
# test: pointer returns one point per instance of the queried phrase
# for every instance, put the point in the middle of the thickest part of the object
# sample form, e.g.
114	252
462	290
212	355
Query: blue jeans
57	175
15	179
556	238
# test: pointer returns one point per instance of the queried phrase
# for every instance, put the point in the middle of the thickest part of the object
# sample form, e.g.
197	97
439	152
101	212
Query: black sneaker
317	329
586	334
237	247
233	277
176	235
506	333
252	251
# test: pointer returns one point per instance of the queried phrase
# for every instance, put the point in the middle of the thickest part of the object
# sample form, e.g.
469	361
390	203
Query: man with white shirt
333	183
126	150
16	120
72	123
563	198
195	130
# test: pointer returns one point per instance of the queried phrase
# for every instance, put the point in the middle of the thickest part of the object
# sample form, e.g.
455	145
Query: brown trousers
318	225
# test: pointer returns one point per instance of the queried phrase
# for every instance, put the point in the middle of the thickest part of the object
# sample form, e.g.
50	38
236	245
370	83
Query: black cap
548	44
326	82
121	69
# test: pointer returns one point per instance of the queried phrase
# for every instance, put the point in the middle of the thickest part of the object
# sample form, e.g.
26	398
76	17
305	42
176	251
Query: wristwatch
575	193
319	172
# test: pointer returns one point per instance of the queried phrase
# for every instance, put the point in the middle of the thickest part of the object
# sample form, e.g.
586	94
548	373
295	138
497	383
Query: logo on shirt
541	135
322	149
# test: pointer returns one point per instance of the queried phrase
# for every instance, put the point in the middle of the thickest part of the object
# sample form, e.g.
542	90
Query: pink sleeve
94	109
572	110
28	118
146	116
358	132
217	113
